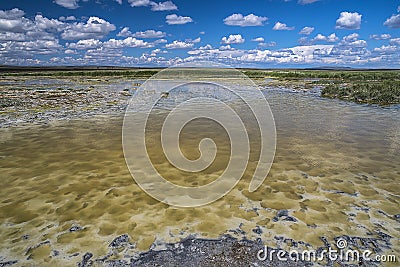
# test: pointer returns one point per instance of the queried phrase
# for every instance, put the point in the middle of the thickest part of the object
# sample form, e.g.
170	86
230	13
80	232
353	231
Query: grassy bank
373	87
384	93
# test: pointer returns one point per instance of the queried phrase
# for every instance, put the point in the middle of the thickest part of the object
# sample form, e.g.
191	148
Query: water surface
336	171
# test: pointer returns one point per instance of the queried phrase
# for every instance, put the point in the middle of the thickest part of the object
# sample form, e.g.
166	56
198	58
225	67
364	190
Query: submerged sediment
67	196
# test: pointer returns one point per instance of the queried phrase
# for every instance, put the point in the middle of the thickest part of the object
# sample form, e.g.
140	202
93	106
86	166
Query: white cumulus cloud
13	21
127	42
306	30
386	49
62	18
240	20
12	36
319	37
395	41
149	34
330	38
94	28
70	51
174	19
351	37
197	40
179	45
349	21
282	27
137	3
163	6
258	39
383	36
233	39
269	44
85	44
309	51
14	13
353	41
44	23
125	32
71	4
393	21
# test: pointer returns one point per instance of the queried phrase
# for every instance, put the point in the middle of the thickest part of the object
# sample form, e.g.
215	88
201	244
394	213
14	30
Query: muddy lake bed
67	196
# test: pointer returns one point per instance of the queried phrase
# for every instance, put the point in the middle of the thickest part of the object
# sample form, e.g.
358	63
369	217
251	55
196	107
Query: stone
86	262
75	228
119	241
290	219
257	230
281	213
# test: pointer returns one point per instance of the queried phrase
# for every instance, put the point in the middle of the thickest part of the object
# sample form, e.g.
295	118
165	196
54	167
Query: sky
239	33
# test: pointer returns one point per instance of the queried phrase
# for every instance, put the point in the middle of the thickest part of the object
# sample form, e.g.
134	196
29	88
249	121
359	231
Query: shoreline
54	99
226	250
36	100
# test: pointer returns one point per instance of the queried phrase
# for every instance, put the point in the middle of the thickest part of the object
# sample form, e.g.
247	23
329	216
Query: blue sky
240	33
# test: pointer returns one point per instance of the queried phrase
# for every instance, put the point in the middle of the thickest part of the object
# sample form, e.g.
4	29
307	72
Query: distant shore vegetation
367	86
361	86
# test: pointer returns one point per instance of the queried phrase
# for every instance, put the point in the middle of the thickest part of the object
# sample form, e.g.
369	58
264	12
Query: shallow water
336	171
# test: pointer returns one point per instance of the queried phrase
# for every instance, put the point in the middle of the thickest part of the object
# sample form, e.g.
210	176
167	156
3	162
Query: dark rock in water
104	258
75	228
290	219
295	243
281	213
119	241
385	241
86	260
290	242
55	253
7	263
238	231
257	230
382	212
284	216
326	243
